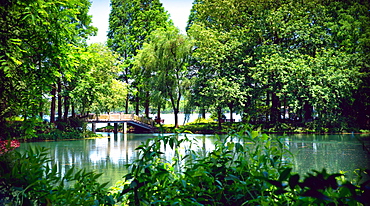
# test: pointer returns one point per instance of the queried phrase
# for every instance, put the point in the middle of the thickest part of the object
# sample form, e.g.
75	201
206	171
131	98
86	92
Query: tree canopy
38	39
307	58
164	62
130	24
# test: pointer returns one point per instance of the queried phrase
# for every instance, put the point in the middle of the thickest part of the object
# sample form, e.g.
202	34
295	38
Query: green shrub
202	120
29	179
245	168
232	174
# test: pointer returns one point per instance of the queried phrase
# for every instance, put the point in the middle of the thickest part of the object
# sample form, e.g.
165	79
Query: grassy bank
209	126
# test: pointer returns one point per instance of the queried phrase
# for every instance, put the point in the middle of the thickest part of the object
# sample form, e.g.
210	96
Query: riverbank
212	127
209	126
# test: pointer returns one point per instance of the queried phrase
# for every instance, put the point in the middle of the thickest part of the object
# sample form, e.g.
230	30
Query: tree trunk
203	112
126	79
231	106
175	106
275	108
147	105
137	101
159	112
60	101
52	106
176	112
219	116
73	111
126	104
66	107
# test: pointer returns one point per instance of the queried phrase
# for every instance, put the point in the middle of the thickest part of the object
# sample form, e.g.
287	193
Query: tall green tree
166	59
130	23
36	42
220	50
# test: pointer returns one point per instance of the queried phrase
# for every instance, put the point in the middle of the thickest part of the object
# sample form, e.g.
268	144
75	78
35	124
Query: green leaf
254	134
285	174
230	146
232	177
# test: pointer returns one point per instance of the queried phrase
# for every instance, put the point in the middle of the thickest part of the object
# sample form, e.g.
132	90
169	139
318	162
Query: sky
179	11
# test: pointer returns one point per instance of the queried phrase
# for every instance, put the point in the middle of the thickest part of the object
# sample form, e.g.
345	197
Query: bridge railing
127	116
119	117
144	120
115	116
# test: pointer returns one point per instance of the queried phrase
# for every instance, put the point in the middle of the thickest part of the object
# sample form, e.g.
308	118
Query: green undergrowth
200	126
36	130
29	179
60	135
209	126
246	168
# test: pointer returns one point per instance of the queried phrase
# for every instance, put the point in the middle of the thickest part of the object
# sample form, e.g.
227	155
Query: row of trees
260	59
46	65
306	56
308	59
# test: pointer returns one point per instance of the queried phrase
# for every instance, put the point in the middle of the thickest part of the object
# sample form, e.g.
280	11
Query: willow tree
166	58
130	23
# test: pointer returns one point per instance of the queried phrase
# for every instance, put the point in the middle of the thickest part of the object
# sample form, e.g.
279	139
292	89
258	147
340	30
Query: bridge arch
126	119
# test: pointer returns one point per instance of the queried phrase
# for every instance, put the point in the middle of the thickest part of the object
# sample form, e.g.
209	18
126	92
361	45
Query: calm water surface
108	155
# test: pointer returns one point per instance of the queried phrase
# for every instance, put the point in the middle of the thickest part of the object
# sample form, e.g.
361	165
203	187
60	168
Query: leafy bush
320	188
202	120
57	134
29	179
250	169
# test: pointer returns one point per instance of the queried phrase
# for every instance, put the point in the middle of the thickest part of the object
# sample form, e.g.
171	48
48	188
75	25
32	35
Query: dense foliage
47	68
302	63
29	179
130	24
37	43
290	60
242	169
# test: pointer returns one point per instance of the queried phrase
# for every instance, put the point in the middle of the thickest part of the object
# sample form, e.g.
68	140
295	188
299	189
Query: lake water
108	155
